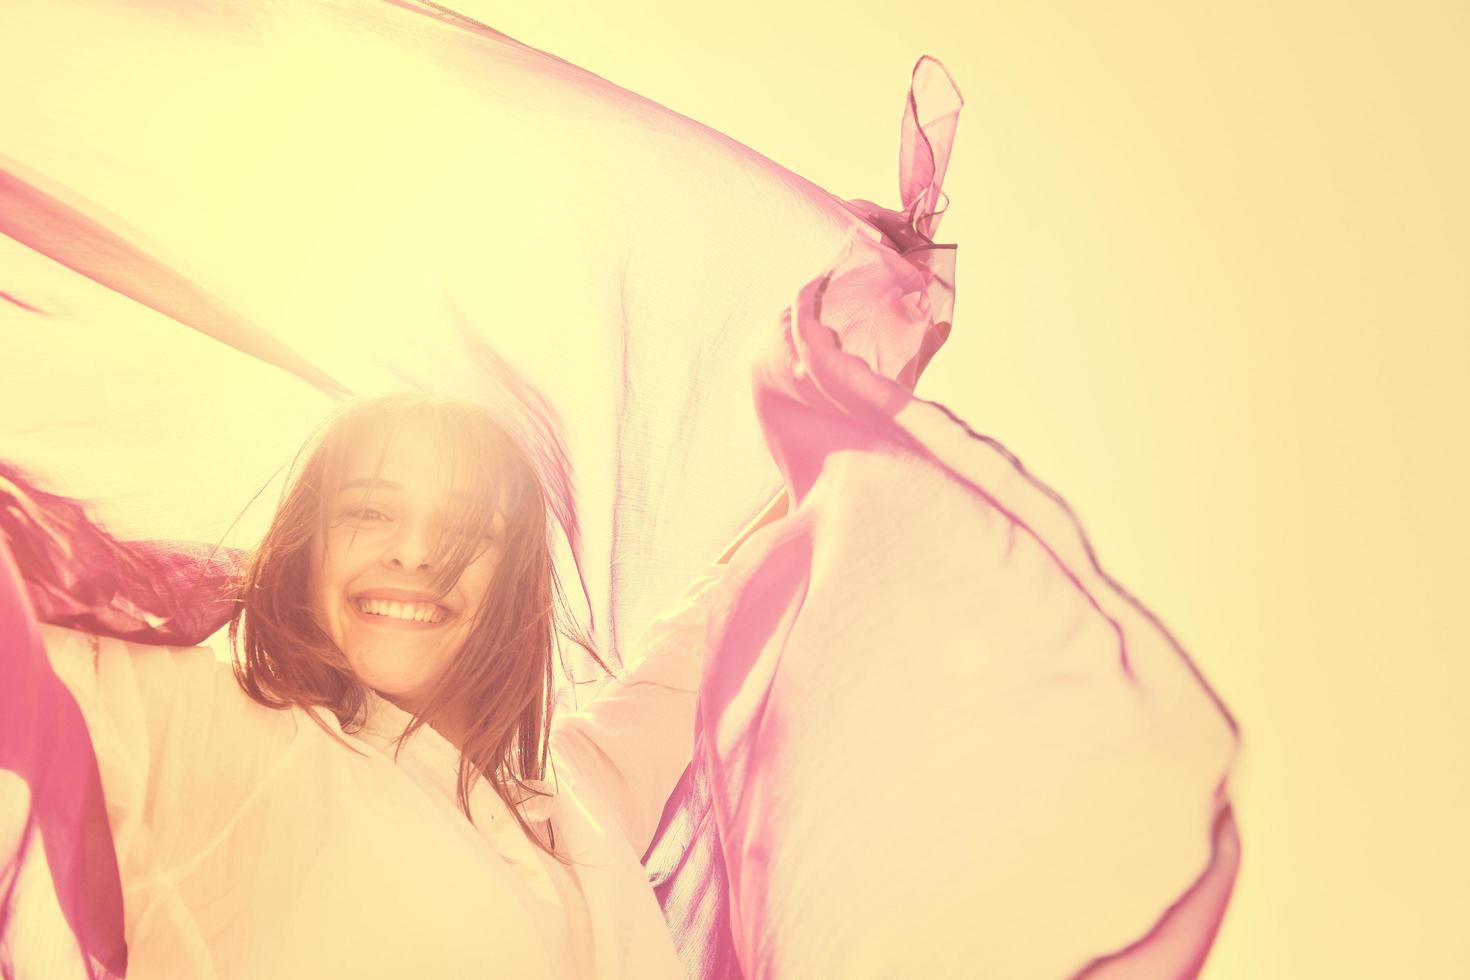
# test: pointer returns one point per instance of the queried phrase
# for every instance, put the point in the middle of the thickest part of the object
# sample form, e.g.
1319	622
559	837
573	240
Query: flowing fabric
934	738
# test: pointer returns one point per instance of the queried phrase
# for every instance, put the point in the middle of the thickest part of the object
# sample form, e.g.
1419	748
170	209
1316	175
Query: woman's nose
412	549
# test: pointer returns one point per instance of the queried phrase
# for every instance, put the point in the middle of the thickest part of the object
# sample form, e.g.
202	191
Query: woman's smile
385	614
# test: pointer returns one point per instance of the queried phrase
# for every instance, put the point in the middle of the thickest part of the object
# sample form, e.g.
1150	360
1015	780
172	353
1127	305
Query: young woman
381	785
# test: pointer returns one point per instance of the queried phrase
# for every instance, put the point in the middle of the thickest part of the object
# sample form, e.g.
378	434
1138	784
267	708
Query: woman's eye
366	513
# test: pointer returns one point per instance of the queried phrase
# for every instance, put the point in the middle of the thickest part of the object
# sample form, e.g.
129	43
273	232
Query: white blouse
253	845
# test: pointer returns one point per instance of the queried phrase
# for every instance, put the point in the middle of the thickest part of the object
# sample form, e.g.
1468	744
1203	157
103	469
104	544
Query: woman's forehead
410	458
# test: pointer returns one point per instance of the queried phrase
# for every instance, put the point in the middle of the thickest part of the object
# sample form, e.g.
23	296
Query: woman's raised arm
634	740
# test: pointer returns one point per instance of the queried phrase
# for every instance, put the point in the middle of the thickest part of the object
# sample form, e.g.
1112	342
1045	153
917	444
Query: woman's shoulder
182	688
76	653
64	637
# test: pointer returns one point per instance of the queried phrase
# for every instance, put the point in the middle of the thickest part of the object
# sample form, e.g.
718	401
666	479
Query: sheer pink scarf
934	737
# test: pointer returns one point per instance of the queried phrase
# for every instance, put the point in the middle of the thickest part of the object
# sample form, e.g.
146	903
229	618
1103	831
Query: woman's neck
452	728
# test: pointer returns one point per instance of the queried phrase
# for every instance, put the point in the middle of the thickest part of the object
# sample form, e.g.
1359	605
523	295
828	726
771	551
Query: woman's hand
775	509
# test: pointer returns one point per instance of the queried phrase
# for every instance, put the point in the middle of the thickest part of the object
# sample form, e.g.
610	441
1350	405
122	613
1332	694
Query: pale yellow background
1213	290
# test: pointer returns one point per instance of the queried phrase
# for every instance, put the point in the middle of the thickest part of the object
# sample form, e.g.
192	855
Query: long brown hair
502	682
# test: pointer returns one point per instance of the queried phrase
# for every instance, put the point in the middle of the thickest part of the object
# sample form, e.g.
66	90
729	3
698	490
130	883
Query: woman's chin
403	701
389	678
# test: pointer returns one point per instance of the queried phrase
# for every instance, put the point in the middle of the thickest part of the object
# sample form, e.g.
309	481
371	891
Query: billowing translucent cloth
933	739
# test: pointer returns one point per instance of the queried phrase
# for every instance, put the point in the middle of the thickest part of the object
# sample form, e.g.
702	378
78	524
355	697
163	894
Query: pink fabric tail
57	848
940	739
935	738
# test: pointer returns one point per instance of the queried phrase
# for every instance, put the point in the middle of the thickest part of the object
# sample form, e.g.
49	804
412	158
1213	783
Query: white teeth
421	612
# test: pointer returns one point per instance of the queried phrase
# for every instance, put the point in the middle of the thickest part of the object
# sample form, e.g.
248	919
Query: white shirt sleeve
633	741
180	750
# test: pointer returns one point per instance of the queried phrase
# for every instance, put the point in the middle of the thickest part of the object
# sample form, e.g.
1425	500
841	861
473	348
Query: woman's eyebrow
373	483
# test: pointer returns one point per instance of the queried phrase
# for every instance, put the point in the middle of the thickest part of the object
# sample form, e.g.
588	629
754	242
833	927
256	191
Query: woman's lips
389	622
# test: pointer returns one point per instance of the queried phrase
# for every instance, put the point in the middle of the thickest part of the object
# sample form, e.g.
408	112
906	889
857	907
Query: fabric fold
1073	762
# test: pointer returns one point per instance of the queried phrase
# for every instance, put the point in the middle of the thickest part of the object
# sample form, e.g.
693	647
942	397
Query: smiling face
390	524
